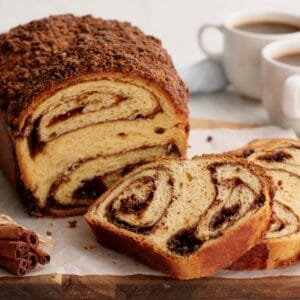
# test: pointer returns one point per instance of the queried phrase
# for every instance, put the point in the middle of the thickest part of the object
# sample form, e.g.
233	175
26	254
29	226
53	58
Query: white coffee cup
241	55
281	83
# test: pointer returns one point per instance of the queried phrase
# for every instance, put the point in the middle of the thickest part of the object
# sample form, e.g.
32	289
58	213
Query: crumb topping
38	56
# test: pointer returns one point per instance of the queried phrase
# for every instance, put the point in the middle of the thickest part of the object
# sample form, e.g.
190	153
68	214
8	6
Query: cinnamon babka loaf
281	160
185	218
83	101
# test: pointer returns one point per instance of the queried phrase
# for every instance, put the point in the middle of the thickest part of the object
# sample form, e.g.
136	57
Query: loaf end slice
280	158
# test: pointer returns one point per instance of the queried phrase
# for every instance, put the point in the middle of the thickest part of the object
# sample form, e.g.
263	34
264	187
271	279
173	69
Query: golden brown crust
254	259
237	240
269	254
47	54
272	253
212	259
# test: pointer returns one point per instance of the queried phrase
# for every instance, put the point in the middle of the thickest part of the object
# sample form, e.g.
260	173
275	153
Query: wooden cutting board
142	287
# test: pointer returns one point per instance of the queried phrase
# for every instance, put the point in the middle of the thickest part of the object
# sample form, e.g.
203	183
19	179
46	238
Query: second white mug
241	55
281	82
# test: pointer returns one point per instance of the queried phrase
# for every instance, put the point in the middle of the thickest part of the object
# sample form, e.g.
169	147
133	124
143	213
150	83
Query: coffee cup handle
213	55
291	97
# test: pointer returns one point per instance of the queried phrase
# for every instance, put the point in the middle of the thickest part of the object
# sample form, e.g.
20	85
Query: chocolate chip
184	242
159	130
122	134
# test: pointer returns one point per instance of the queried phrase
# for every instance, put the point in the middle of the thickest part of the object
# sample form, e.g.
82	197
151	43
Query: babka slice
187	218
281	160
84	101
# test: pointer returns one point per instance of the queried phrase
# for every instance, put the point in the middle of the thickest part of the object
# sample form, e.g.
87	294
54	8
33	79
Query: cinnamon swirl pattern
107	99
181	207
281	160
139	206
90	139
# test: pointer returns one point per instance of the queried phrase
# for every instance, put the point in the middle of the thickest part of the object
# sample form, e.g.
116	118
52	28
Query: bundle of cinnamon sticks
19	250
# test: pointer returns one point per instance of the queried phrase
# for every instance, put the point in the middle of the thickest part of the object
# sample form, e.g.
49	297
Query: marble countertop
175	22
228	106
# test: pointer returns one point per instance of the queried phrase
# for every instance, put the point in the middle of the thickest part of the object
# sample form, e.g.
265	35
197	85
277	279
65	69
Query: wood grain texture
146	287
142	287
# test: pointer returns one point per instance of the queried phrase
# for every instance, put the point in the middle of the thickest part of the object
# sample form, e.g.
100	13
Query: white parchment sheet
75	250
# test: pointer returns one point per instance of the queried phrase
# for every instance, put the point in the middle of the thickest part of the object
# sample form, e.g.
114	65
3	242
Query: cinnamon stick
43	257
18	267
19	252
31	238
32	260
10	232
13	249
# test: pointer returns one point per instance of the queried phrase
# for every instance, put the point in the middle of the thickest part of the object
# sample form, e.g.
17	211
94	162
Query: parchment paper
75	250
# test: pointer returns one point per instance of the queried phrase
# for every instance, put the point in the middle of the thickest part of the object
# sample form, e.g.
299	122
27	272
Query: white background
175	23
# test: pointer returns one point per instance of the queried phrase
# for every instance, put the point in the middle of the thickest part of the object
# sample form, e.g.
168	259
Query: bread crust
271	253
43	56
237	240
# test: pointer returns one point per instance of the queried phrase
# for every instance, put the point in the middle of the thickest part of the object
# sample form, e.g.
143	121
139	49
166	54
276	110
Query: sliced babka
187	218
84	101
281	160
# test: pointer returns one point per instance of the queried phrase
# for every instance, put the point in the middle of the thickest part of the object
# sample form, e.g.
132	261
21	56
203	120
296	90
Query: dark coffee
290	59
268	27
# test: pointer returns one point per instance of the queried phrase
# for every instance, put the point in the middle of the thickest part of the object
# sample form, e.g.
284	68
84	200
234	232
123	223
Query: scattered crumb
279	182
209	138
72	224
51	224
49	233
90	247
